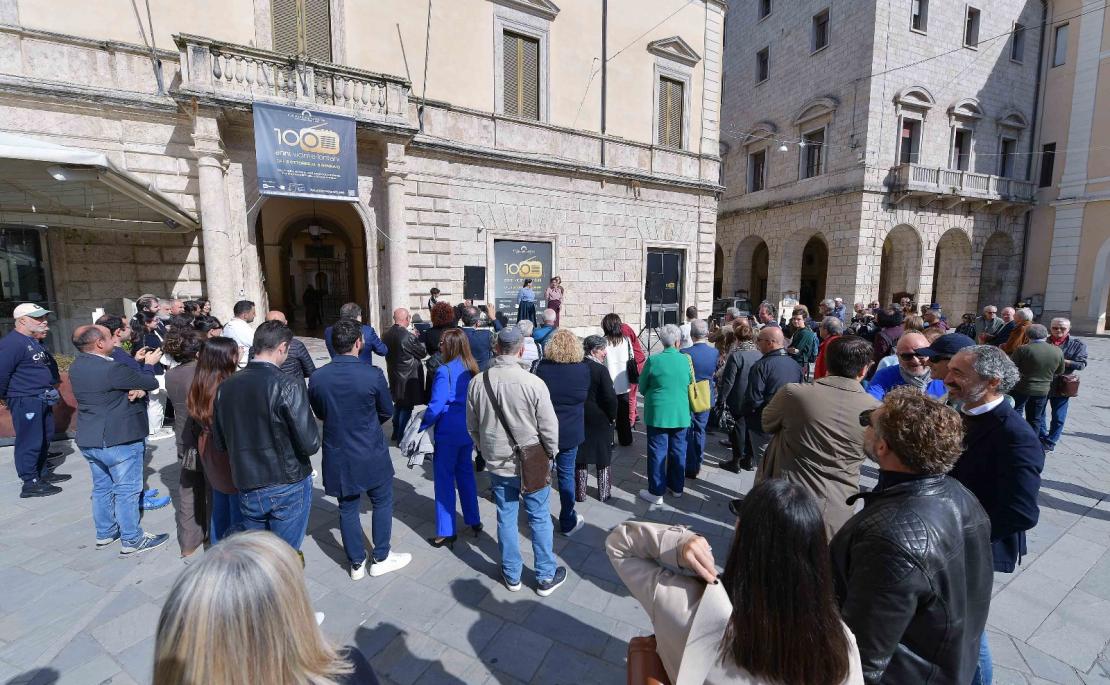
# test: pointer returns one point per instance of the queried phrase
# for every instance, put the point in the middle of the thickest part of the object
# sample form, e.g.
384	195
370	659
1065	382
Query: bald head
93	339
910	363
770	339
401	317
275	315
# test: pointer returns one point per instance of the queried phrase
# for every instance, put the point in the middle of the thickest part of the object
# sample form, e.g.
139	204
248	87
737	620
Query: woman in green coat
664	383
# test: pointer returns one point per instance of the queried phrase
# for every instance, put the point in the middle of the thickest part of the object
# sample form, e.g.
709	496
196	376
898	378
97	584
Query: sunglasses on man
907	356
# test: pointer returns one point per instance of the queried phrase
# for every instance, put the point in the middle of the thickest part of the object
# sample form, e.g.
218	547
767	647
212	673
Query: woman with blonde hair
568	380
241	615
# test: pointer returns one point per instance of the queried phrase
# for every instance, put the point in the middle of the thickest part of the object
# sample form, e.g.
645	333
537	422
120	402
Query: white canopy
55	185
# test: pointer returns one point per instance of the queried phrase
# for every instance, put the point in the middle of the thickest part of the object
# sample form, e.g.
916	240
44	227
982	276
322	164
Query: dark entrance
663	291
815	262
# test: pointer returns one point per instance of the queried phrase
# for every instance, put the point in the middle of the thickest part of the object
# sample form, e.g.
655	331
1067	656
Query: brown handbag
1065	385
644	665
532	461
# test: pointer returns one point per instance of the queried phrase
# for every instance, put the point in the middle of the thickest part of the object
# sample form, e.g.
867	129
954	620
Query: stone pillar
215	219
395	172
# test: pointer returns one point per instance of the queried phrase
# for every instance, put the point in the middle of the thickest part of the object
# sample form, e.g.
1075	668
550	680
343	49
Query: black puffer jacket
913	576
262	419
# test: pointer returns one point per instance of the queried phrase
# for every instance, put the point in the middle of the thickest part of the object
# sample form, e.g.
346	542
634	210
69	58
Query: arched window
302	27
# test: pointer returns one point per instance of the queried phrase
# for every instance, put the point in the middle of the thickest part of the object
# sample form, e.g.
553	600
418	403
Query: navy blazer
569	385
481	345
704	357
1001	464
371	343
105	417
352	399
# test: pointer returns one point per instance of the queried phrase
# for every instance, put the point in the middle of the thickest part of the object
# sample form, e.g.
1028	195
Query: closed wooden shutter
285	27
670	113
521	74
317	29
302	27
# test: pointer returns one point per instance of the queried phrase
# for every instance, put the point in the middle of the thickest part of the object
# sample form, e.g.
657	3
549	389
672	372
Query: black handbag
630	366
533	462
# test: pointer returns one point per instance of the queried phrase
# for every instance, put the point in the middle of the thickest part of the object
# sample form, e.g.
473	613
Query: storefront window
22	272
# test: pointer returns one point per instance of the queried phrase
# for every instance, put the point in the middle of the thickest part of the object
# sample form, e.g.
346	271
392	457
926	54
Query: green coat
665	383
807	346
1038	362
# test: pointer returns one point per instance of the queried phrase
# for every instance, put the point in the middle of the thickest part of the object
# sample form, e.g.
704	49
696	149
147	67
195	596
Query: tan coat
818	442
689	616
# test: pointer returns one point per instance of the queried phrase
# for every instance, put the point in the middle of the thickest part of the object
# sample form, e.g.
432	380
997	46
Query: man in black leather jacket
298	363
404	364
913	569
262	419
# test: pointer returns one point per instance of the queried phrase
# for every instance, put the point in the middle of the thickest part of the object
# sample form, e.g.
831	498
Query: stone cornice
75	94
110	45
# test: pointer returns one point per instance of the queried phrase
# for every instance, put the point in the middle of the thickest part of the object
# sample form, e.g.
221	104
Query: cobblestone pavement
72	614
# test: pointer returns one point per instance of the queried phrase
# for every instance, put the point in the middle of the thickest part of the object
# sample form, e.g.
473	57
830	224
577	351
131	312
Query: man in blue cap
940	352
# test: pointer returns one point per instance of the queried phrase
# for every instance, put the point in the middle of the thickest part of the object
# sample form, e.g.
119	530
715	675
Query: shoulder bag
533	463
1065	385
698	390
631	368
644	665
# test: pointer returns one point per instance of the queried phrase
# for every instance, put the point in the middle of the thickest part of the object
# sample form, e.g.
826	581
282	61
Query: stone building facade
614	164
875	150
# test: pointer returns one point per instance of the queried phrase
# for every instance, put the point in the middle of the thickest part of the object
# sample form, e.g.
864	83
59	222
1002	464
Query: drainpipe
604	69
1033	144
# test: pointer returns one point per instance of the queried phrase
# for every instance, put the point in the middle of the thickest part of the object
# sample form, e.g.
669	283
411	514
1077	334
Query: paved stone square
72	614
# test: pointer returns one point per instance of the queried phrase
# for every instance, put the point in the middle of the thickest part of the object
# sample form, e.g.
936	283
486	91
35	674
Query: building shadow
1085	510
1073	489
1096	437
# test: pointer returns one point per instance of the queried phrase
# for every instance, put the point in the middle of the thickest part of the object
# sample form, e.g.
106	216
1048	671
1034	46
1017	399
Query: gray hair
733	312
350	311
699	330
509	349
828	304
1060	319
593	343
669	335
990	308
832	325
1025	314
1037	332
549	316
991	362
526	327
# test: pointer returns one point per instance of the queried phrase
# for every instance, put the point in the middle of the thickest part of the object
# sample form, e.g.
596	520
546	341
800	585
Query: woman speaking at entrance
526	302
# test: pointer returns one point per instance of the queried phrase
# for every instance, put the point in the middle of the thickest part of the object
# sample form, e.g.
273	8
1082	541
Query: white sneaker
648	497
675	494
394	562
578	525
315	474
319	617
358	571
161	434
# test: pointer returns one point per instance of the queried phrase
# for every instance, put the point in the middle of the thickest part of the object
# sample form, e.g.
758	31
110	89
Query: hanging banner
305	154
515	261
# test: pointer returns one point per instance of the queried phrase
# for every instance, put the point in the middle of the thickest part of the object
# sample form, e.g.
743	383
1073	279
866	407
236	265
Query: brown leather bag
533	462
644	665
1065	385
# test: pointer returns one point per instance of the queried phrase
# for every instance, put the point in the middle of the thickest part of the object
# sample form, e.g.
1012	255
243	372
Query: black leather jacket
262	419
913	577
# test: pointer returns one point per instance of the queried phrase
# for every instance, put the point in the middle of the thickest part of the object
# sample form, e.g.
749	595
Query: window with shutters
302	27
919	15
813	153
521	74
757	171
670	113
971	28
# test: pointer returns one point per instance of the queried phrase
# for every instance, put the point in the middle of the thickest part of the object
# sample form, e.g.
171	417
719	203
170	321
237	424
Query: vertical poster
306	154
516	260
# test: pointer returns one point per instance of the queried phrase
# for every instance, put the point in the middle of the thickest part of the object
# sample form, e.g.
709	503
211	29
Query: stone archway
814	273
900	268
718	271
749	263
761	264
953	279
998	278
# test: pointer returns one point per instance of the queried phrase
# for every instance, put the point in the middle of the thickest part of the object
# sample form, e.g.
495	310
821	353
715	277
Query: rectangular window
301	27
764	8
1060	46
820	30
757	171
919	15
1048	160
763	65
971	28
521	56
910	142
961	150
1007	155
1017	44
813	153
670	113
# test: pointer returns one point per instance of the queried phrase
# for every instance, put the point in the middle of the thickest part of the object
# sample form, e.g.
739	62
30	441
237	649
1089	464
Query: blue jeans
33	421
400	421
695	442
1059	415
381	523
117	475
506	495
227	517
564	469
985	671
281	509
1034	410
666	459
453	468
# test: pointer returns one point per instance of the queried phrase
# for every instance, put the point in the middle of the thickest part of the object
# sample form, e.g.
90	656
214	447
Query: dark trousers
1034	408
624	421
738	436
381	523
191	512
695	442
33	421
400	420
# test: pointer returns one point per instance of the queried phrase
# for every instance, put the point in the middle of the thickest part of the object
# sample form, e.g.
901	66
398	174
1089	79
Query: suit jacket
447	403
105	417
818	442
371	343
353	401
1001	464
687	615
481	345
404	362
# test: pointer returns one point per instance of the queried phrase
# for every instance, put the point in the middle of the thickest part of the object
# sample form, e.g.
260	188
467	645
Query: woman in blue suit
453	466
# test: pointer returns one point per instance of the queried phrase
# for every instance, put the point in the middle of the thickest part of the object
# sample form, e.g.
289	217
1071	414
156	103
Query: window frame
920	121
509	20
767	76
968	10
822	155
769	4
813	47
1066	28
1047	154
923	5
750	172
674	71
1017	30
1002	157
953	152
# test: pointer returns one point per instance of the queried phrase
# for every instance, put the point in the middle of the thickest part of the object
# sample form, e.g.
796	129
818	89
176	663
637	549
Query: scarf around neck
920	382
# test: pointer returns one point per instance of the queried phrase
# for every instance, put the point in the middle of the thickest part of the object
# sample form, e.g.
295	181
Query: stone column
215	219
395	172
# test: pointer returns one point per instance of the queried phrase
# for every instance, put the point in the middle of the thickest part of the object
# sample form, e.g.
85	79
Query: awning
54	185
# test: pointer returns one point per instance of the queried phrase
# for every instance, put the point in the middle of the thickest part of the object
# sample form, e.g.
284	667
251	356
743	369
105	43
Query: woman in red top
554	297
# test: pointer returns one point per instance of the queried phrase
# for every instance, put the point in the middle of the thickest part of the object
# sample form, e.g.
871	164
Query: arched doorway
900	268
319	244
750	262
998	279
815	266
718	271
952	275
761	262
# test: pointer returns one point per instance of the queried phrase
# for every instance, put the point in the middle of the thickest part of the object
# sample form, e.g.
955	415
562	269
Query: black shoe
731	465
448	542
55	477
477	529
725	443
38	488
747	465
693	476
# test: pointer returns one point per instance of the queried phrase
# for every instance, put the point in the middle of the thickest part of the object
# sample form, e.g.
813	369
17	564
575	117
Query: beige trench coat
818	442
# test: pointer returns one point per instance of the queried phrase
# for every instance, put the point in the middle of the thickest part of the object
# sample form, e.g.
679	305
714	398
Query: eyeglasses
865	417
909	356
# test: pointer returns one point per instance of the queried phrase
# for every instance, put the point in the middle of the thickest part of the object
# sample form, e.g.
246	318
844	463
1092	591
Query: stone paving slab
72	614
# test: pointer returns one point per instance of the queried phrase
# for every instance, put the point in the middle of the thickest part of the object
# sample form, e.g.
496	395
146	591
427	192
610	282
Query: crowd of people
896	592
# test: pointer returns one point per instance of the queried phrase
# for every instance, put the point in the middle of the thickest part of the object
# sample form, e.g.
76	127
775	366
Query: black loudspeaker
474	282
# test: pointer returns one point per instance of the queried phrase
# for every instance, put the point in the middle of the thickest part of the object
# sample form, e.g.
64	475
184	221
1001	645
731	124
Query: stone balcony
226	74
950	188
